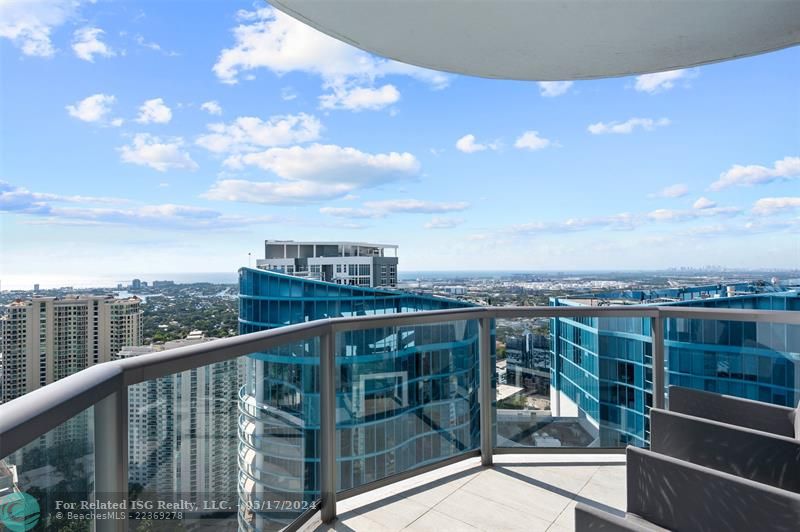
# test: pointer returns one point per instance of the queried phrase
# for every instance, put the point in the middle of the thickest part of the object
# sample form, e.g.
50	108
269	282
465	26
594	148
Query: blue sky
143	137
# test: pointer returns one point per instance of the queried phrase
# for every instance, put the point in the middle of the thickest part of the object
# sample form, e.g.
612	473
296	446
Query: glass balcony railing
260	431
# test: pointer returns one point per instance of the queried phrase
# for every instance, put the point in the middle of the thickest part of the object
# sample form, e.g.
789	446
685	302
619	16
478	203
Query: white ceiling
555	39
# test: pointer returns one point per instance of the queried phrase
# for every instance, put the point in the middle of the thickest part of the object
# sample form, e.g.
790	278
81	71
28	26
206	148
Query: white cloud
285	192
250	133
677	190
659	81
86	44
313	173
330	163
551	89
674	215
147	150
647	124
704	203
767	206
19	200
438	222
468	144
28	24
621	222
360	98
268	38
211	107
93	108
382	208
154	111
350	212
530	140
785	169
414	206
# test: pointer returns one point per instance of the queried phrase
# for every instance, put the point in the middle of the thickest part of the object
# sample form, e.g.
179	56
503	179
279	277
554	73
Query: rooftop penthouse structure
349	263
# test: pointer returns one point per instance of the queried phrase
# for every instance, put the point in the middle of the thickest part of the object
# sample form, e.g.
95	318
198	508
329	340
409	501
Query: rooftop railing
105	389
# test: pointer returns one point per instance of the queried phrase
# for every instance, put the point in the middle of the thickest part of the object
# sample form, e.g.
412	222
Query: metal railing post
111	457
327	424
485	390
659	370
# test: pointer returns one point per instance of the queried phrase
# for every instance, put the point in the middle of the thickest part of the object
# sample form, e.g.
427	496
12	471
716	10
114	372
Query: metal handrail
105	385
33	414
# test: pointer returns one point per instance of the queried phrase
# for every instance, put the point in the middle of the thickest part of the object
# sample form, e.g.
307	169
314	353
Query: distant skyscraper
350	263
182	429
405	395
36	287
45	339
601	368
136	284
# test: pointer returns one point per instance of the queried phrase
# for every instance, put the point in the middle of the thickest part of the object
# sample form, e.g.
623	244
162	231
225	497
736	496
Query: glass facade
601	368
405	396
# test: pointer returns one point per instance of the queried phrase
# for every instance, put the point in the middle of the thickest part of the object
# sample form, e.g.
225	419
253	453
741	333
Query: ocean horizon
26	282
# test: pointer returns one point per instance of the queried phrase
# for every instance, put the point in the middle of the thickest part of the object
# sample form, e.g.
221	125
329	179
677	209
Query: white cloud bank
768	206
312	173
28	24
382	208
267	38
785	169
18	200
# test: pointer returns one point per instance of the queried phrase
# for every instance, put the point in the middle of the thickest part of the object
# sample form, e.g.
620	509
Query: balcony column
327	425
659	368
485	390
111	456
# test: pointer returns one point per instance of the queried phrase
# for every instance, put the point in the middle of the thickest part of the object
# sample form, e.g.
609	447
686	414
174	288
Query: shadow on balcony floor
521	492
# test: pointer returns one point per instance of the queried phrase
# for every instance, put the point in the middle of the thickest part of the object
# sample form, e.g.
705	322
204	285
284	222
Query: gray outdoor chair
663	491
744	438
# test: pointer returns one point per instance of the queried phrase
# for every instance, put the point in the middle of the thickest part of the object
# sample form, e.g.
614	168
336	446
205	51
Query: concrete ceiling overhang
555	39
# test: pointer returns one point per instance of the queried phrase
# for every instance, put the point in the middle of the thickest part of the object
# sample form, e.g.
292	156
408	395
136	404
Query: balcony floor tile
520	492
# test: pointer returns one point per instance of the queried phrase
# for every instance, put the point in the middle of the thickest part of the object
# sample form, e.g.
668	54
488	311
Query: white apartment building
182	429
350	263
45	339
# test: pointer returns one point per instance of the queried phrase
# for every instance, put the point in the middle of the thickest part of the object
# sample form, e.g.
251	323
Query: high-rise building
405	395
182	430
350	263
45	339
601	368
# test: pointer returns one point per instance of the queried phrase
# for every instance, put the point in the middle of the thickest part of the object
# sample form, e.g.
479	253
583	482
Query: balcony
455	457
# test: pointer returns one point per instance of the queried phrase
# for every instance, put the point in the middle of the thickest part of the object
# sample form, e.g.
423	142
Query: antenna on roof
248	259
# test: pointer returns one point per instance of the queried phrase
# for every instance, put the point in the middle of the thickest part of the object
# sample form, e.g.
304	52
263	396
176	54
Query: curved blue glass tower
602	369
406	396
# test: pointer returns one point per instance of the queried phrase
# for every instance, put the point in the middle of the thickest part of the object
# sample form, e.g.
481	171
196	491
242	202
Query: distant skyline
148	137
